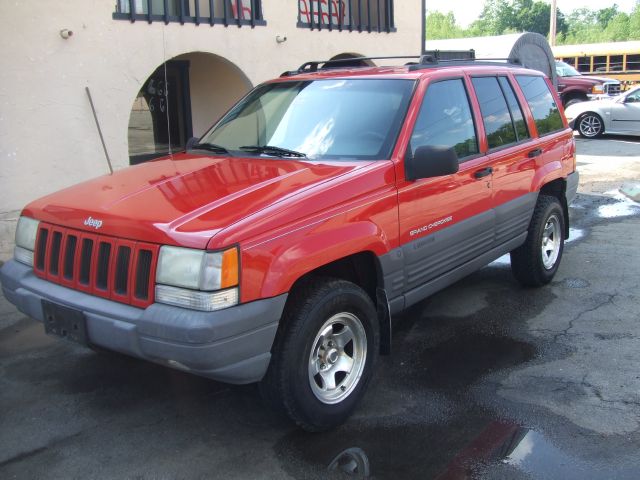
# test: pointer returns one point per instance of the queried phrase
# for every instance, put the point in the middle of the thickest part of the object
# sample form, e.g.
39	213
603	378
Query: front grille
122	270
109	267
612	88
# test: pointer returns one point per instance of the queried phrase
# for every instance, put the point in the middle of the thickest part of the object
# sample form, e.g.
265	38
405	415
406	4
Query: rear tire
324	355
536	261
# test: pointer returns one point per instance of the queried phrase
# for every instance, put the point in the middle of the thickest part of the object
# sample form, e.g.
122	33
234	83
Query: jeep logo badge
93	222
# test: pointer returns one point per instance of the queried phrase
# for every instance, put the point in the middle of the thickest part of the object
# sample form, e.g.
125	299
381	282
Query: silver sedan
619	115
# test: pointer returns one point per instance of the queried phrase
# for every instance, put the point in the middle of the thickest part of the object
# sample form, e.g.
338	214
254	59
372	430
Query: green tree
504	16
496	18
605	15
634	23
617	29
604	25
442	26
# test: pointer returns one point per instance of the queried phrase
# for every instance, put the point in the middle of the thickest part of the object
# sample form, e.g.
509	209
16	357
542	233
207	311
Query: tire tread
526	264
276	385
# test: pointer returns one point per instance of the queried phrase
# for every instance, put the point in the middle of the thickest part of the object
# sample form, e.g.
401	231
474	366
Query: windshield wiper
271	150
212	147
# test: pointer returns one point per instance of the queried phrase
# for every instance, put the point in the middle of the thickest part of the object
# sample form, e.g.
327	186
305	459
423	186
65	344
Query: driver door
625	117
445	221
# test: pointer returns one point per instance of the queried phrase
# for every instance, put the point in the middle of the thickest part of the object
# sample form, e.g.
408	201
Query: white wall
48	138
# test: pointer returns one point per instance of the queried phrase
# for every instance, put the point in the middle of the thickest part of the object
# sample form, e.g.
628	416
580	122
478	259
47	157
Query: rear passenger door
512	154
445	221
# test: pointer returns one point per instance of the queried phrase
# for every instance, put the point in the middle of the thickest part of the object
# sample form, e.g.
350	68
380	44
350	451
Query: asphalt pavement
486	380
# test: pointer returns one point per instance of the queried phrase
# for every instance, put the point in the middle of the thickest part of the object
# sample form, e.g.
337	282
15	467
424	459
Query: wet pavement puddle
399	447
472	446
471	441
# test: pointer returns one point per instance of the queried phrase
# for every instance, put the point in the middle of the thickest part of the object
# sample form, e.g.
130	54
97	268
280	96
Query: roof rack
314	66
427	59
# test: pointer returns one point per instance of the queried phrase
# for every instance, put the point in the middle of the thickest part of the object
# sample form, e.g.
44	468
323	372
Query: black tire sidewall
307	405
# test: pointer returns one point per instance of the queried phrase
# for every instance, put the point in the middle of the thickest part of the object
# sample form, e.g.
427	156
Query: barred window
212	12
350	15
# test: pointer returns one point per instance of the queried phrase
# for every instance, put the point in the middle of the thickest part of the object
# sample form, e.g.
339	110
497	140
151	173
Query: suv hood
183	200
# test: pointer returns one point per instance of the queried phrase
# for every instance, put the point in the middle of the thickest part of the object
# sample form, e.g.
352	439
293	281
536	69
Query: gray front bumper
231	345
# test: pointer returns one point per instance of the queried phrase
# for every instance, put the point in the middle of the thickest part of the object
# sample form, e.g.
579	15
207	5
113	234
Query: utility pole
423	37
552	26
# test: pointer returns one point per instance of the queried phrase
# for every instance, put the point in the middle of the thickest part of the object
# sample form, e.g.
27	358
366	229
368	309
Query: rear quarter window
543	107
501	114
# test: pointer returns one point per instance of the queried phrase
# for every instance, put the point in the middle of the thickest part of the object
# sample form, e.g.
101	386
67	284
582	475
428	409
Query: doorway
160	121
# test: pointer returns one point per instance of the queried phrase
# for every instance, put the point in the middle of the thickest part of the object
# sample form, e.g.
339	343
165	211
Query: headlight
26	233
194	278
597	89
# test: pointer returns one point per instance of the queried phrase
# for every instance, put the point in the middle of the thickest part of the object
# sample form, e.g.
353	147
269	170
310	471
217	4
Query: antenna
166	92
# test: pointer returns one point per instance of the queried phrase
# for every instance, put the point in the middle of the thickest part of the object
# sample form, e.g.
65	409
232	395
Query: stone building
157	72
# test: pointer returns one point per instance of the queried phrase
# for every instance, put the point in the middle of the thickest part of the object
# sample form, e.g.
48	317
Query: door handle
483	173
535	153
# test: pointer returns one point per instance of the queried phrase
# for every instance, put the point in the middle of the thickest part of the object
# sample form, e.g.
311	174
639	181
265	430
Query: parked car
618	116
575	87
278	247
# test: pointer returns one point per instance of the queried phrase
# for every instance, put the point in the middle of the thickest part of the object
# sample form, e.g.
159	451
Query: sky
466	12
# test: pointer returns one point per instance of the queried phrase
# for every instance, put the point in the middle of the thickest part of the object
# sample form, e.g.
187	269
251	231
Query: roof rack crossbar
427	59
313	65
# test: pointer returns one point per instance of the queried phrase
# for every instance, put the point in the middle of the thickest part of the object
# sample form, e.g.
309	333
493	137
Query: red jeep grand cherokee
278	247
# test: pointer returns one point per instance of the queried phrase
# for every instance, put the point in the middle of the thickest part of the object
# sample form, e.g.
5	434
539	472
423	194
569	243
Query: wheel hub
338	357
331	356
551	242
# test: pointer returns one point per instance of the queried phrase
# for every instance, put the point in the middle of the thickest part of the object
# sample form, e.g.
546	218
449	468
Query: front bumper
231	345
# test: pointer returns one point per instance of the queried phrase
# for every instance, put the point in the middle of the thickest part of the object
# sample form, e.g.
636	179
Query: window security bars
212	12
351	15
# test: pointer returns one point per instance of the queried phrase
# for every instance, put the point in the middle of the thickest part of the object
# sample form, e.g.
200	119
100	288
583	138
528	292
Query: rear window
543	107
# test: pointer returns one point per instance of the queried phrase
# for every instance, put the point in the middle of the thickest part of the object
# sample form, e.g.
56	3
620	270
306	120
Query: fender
545	174
293	259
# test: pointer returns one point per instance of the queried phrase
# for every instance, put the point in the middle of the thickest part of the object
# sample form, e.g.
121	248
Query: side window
495	113
543	107
445	119
515	109
634	97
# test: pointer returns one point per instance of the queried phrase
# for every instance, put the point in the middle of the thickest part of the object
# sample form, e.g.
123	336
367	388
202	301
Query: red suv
277	248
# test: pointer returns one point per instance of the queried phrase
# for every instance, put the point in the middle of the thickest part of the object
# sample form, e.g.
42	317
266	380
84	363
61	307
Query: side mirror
431	161
191	142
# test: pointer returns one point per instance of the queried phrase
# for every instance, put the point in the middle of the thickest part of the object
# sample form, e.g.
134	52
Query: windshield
319	119
566	70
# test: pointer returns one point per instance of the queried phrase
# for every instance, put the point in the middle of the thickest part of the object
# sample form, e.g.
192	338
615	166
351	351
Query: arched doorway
181	99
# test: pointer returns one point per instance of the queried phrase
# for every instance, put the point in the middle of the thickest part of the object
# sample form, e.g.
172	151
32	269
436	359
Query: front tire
590	125
536	261
324	355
